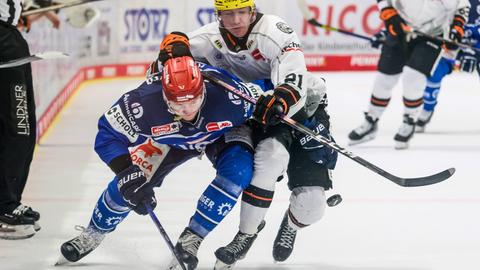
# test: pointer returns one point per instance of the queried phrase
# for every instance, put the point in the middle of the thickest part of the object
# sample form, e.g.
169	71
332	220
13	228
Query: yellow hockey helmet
221	5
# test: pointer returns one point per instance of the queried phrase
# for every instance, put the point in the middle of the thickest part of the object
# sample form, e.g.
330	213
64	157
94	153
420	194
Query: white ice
378	226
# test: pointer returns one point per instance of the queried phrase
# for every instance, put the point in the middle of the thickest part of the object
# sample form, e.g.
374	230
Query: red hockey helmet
181	79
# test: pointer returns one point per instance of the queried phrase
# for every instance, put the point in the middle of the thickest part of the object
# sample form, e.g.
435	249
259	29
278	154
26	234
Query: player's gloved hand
468	61
378	39
271	104
395	25
136	191
175	44
456	32
315	150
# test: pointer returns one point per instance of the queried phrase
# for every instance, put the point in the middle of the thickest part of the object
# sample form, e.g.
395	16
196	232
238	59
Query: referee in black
17	127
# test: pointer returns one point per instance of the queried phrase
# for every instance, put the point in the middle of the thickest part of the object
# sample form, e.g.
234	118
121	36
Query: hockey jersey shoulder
274	35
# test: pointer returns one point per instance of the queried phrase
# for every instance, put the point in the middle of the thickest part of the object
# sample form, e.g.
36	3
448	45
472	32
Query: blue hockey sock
434	82
110	210
234	173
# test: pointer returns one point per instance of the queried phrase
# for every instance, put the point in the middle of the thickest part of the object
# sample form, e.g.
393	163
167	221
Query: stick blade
423	181
51	55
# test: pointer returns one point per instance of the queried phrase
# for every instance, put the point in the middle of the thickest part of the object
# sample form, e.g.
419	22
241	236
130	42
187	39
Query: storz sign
145	24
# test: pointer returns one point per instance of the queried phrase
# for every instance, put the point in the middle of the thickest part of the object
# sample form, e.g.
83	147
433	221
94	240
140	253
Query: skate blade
17	232
36	226
419	129
219	265
61	261
401	145
363	140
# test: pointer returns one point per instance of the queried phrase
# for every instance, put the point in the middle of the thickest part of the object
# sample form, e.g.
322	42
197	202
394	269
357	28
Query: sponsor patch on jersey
284	27
234	99
120	123
165	129
137	110
218	44
216	126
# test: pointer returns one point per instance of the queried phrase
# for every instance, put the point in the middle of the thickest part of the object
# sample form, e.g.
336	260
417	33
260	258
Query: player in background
414	57
17	123
169	119
256	46
469	62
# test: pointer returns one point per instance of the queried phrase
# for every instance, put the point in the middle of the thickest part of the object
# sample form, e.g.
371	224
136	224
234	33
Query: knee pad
270	162
235	165
307	206
383	85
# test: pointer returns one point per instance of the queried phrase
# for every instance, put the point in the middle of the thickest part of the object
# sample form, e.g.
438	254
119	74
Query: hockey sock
110	210
434	82
234	172
414	83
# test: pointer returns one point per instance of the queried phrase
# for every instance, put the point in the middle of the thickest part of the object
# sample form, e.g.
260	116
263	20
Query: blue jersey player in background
172	117
469	62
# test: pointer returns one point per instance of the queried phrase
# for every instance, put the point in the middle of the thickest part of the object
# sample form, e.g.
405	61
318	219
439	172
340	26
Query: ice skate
365	132
423	119
283	245
80	246
405	132
15	227
186	248
27	211
236	250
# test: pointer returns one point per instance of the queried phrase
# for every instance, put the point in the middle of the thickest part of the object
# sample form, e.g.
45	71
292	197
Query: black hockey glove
379	39
468	61
394	24
135	189
456	32
316	151
270	105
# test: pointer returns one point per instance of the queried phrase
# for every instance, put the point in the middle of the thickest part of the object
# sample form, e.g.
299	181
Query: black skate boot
405	132
15	227
365	132
236	250
27	211
187	248
423	119
80	246
283	245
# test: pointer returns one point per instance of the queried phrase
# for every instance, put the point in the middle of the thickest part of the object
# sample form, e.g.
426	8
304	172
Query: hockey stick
32	58
302	5
443	40
164	235
57	7
404	182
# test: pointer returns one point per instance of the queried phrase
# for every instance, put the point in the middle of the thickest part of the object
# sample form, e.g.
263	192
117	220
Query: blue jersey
142	113
472	29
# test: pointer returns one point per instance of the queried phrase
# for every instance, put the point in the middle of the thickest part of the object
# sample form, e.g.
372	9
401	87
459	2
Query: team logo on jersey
216	126
218	56
284	27
218	44
165	129
137	110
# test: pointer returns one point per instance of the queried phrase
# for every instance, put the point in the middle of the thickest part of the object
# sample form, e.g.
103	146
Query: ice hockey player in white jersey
414	57
259	47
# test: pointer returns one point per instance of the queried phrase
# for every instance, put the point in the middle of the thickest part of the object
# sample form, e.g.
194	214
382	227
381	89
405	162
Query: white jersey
10	11
272	51
433	17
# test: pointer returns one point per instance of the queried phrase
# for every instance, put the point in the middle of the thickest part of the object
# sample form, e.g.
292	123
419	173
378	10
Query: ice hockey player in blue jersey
469	62
172	117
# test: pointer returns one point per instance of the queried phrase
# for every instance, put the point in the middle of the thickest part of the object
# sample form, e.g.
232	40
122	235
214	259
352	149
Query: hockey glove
395	25
316	151
378	39
136	191
456	32
270	105
175	44
468	61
